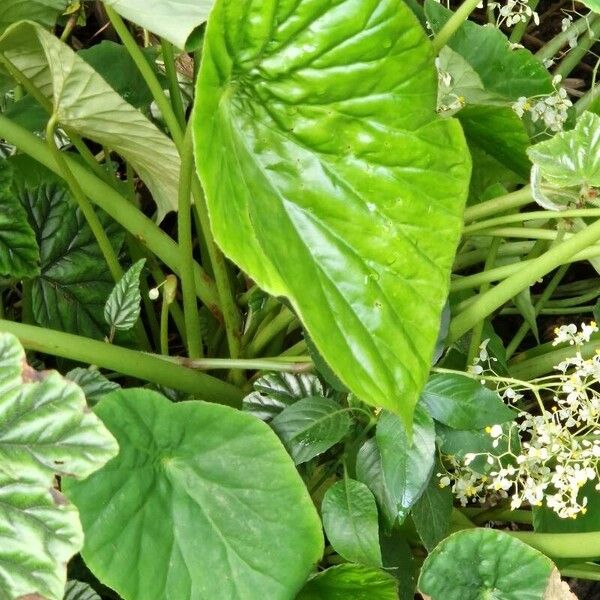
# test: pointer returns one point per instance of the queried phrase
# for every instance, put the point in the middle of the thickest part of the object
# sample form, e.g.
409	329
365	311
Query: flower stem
498	205
174	90
453	23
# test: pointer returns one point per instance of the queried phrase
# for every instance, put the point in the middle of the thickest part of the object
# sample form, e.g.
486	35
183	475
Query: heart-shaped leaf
45	429
86	104
214	485
319	146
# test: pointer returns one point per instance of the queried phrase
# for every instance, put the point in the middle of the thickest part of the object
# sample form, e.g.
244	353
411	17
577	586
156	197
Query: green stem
296	364
164	327
147	367
280	323
84	204
144	67
575	310
453	24
559	254
558	41
562	545
530	233
589	571
521	27
498	205
109	200
473	257
575	56
174	90
184	230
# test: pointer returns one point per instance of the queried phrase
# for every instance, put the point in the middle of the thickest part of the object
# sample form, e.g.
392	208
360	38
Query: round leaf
217	491
485	563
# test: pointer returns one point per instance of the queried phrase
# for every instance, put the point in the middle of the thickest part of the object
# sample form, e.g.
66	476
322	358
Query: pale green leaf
174	20
45	429
86	104
214	486
122	309
44	12
485	563
571	158
77	590
311	426
349	516
406	463
319	146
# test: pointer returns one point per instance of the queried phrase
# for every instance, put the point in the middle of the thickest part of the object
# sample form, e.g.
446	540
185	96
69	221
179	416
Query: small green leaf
122	309
214	486
463	403
431	513
19	253
370	472
485	563
93	383
349	517
571	158
45	429
311	426
407	464
77	590
44	12
276	391
350	582
340	225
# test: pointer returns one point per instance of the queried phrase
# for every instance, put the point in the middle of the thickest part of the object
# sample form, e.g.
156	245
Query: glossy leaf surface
311	426
45	429
349	517
350	582
86	104
318	145
485	563
406	463
217	489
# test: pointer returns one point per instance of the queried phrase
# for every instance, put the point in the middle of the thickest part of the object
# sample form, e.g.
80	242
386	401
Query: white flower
153	294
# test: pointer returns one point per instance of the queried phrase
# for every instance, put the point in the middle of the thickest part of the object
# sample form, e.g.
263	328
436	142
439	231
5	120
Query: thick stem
498	205
453	24
558	41
184	231
147	367
174	90
521	27
574	57
280	323
562	545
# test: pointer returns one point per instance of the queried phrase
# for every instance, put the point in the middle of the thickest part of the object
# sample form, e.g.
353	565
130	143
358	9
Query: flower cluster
547	455
513	12
552	110
448	101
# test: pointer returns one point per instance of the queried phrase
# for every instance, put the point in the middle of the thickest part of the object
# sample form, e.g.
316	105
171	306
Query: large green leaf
331	180
214	486
19	253
350	582
74	281
406	463
485	563
349	517
571	157
41	11
174	20
86	104
45	429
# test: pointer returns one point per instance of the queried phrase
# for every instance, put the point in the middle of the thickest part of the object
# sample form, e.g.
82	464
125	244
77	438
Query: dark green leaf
77	590
93	383
350	582
485	563
212	485
311	426
122	309
41	11
19	253
340	224
406	463
463	403
398	560
276	391
349	517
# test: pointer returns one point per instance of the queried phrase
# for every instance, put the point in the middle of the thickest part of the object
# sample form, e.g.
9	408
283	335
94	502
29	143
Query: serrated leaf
463	403
407	463
45	429
44	12
311	426
338	224
276	391
350	582
92	382
485	563
86	104
78	590
349	516
19	253
122	309
174	20
214	485
74	281
571	158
